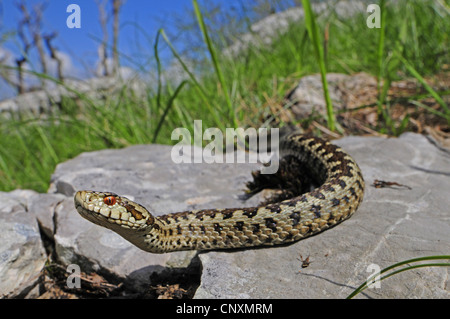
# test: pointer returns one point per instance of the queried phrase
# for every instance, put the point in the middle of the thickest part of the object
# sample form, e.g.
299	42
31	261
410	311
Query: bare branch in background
32	24
115	54
36	27
5	74
53	54
103	48
23	24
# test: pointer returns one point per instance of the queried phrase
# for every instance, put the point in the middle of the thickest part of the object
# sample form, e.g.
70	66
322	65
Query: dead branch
53	54
115	54
103	51
32	24
24	23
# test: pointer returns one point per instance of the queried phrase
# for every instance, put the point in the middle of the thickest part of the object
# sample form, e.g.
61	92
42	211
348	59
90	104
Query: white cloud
7	59
68	69
125	72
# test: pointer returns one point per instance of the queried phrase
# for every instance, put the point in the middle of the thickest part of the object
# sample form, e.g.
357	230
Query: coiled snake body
338	197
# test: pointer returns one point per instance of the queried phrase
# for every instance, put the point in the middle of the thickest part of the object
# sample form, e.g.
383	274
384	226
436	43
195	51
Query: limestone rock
392	225
22	255
146	174
346	91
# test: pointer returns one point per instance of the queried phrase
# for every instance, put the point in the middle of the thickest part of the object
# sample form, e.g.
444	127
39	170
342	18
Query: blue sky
80	45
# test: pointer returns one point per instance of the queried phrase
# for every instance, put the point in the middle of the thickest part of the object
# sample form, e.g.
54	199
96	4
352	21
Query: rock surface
346	91
392	225
41	101
266	30
146	174
22	253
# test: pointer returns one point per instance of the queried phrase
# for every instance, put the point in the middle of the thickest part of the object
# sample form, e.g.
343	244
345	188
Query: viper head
112	211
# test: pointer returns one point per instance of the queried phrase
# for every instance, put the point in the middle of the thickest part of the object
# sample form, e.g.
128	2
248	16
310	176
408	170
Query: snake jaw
123	212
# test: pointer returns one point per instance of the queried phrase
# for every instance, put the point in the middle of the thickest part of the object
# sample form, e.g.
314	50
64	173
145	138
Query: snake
339	194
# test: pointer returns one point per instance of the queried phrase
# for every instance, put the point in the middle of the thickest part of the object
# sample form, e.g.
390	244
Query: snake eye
109	200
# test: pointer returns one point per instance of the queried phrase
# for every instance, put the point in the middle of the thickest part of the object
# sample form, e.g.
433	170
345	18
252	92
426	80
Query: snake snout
109	210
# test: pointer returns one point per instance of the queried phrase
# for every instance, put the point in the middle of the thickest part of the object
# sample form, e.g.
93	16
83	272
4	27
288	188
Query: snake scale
340	192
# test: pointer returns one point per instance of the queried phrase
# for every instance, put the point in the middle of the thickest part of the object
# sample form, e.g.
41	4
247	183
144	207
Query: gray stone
37	102
43	206
307	97
22	255
392	225
146	174
268	29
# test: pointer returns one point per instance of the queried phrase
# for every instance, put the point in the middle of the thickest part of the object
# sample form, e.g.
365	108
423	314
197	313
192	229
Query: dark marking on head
342	183
130	208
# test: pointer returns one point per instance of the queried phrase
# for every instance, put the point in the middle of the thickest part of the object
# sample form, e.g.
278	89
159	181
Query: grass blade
49	147
5	172
166	110
370	279
430	109
158	69
200	89
422	81
313	32
218	70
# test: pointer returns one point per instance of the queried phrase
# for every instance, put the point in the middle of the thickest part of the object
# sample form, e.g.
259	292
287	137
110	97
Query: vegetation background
187	76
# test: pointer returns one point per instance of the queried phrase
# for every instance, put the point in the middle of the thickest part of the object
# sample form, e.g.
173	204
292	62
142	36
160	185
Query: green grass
311	25
415	264
231	92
